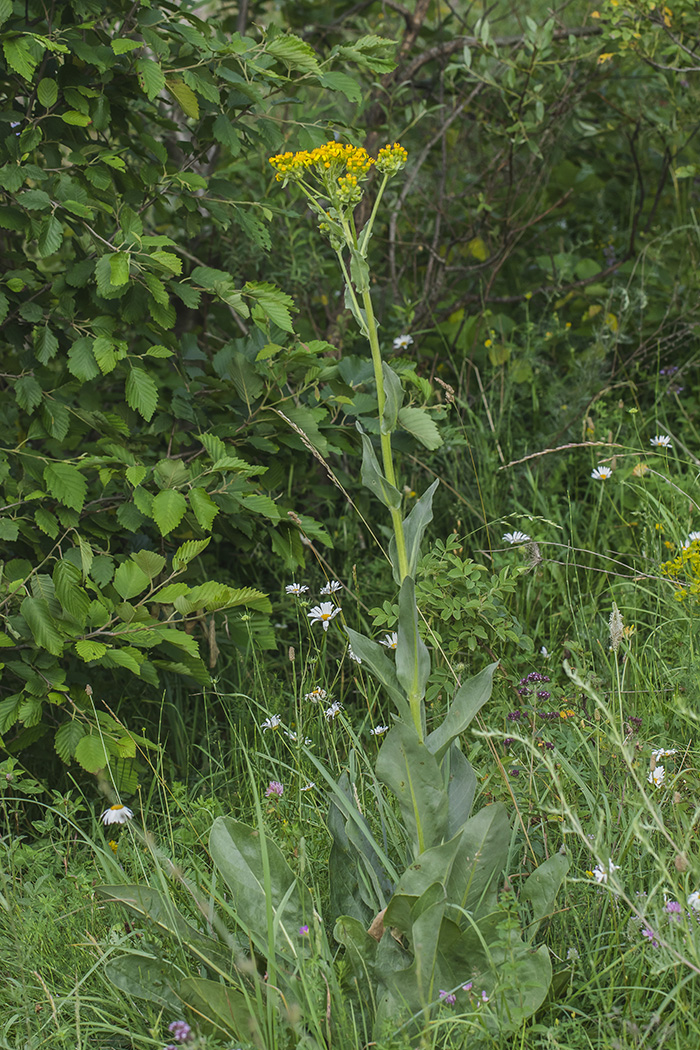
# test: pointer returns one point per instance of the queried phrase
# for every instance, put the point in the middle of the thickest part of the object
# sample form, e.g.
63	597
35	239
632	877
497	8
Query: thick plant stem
387	457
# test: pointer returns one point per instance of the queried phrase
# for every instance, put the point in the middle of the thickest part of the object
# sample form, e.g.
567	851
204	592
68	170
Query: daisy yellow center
118	805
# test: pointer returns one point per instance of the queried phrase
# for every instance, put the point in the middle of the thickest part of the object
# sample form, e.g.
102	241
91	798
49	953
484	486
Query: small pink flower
274	789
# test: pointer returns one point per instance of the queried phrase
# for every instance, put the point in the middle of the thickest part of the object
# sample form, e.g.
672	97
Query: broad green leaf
274	303
409	770
421	426
150	562
342	82
466	704
28	393
88	649
461	788
185	96
47	92
150	77
135	475
66	484
119	268
480	860
142	393
237	852
121	45
374	479
42	624
81	360
144	976
34	200
541	889
18	56
203	507
189	550
224	1007
130	580
169	507
50	236
225	133
68	736
74	117
414	527
47	522
9	530
412	657
45	344
373	656
5	10
103	352
294	53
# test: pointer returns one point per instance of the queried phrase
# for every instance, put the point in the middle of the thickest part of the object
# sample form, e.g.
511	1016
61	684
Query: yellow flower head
391	159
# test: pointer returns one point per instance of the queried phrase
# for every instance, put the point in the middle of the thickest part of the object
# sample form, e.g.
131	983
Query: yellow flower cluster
391	159
684	570
332	160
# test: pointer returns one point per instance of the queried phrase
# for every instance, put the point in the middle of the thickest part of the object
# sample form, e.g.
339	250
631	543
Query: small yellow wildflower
605	57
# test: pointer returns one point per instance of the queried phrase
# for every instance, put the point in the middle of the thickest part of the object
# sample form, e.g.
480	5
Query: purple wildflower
448	997
543	695
514	772
467	987
649	934
274	789
514	716
180	1031
508	741
303	931
673	908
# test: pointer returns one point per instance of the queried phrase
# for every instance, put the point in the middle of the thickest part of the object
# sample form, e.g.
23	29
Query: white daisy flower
694	901
544	651
661	441
308	787
117	814
273	722
333	711
378	730
515	537
353	656
663	752
296	588
692	536
331	587
601	473
316	694
323	613
601	875
656	776
402	342
293	736
390	640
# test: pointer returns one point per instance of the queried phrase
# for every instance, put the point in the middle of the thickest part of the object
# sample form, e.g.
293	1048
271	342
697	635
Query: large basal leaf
461	788
541	889
374	657
146	977
466	704
228	1009
237	851
407	767
480	860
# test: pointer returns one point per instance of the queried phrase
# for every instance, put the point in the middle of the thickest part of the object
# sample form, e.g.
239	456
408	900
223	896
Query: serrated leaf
151	562
50	236
203	507
159	352
169	507
67	738
135	475
422	426
168	260
142	393
273	302
225	133
9	529
41	623
45	344
18	56
88	650
185	97
294	53
81	360
66	484
90	752
121	46
189	550
130	580
75	118
28	393
47	522
47	92
119	268
150	77
103	352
